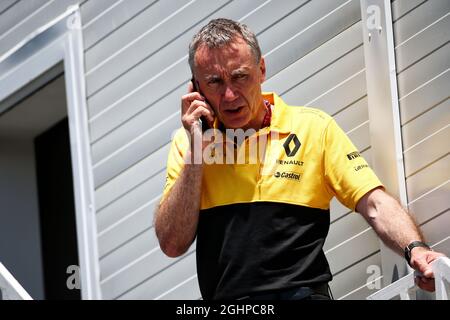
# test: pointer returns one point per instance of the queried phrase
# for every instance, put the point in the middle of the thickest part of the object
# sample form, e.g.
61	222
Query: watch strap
413	245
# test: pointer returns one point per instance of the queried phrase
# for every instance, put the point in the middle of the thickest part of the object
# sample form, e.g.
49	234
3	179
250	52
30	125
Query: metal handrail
441	270
10	288
406	288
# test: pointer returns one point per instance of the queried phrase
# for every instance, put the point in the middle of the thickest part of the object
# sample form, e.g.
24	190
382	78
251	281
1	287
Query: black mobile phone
205	125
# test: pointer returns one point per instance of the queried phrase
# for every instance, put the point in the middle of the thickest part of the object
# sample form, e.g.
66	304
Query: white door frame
61	41
384	116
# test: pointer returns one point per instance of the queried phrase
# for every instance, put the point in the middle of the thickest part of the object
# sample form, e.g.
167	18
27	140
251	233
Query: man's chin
236	124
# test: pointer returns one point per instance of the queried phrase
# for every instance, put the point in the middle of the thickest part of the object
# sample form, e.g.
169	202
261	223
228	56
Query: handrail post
441	270
406	288
10	288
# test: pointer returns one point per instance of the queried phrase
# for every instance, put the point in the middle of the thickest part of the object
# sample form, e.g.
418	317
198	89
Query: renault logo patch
292	138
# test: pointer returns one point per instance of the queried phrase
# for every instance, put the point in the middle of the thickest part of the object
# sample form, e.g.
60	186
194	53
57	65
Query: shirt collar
281	120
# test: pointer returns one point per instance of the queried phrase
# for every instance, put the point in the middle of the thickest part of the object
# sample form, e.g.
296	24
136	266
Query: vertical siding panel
22	10
422	55
5	5
115	15
18	24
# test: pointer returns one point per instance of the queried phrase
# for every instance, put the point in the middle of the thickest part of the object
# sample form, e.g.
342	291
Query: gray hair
220	32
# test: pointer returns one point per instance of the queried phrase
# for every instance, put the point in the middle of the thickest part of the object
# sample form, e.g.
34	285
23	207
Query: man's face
230	79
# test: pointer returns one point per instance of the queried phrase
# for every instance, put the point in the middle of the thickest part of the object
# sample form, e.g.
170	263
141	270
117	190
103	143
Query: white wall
421	35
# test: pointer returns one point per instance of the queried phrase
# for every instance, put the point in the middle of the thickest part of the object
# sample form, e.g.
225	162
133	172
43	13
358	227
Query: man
261	226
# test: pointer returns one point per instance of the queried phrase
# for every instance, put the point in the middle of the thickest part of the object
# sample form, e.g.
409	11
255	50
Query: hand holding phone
197	114
204	121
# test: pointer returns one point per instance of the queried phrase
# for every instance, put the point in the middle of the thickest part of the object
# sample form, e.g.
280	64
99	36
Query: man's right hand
193	106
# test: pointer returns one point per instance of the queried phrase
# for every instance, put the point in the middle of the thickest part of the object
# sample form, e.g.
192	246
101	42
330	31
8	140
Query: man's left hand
421	259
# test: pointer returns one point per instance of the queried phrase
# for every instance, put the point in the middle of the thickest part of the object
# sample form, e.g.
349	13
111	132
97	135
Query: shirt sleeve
347	174
175	160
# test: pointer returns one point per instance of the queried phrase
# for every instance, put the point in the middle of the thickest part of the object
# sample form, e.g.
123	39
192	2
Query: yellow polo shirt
263	221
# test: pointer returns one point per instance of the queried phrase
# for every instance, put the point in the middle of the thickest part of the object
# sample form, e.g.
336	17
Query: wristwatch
412	245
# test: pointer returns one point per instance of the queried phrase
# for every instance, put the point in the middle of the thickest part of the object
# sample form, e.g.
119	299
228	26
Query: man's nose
230	93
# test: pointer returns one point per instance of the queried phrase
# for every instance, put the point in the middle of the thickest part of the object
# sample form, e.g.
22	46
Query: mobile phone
205	125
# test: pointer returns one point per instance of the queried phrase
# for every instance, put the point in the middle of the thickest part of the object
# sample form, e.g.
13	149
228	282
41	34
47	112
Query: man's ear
262	68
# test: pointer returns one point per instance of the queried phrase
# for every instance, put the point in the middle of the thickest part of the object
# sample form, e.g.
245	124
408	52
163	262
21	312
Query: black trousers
316	292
